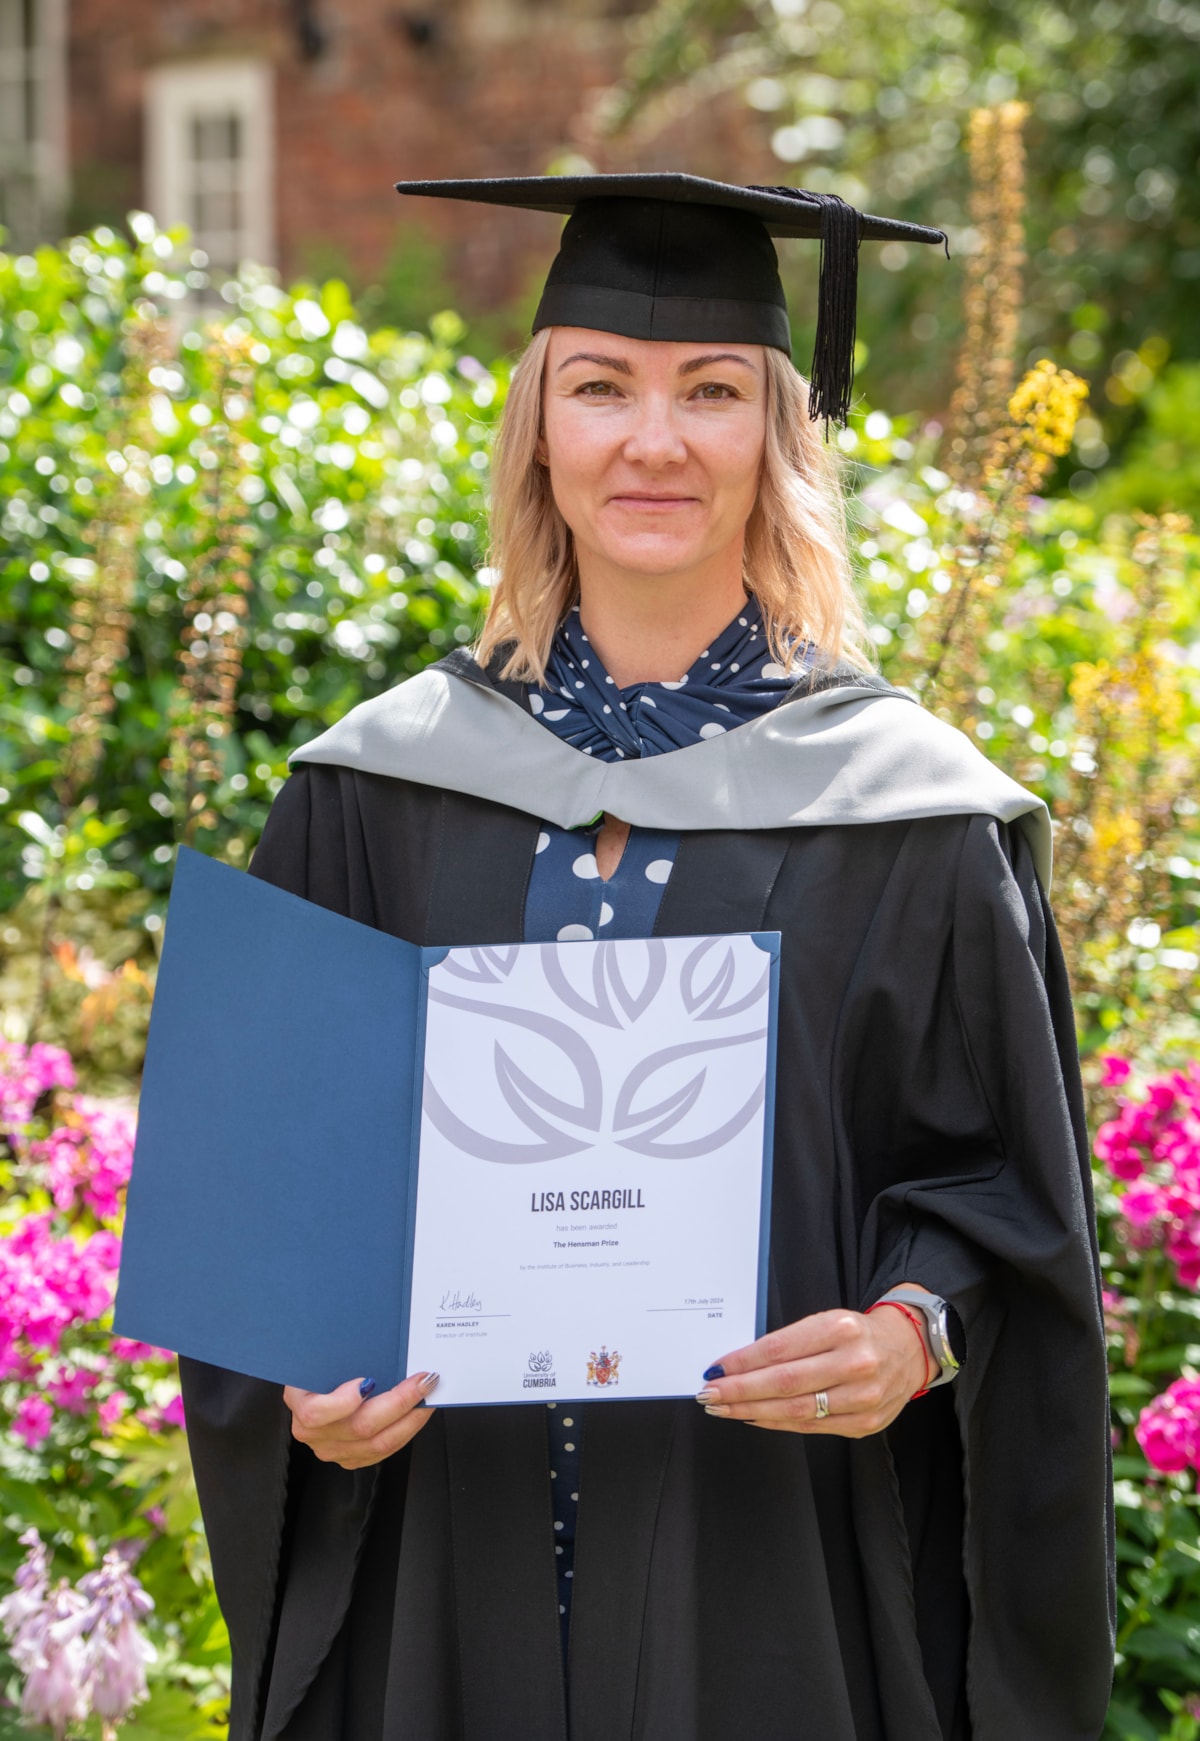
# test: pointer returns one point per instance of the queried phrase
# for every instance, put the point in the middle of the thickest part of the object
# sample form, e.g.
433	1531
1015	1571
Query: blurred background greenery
875	106
231	508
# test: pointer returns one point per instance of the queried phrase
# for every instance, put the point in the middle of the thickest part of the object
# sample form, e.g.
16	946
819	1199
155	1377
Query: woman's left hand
867	1366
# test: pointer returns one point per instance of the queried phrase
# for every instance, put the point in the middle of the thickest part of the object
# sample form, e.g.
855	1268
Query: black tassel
831	378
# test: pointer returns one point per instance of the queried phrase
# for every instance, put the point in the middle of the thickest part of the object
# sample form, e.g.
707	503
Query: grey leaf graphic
553	1146
521	1093
514	1084
715	990
607	973
676	1106
636	1004
486	966
716	987
706	1145
670	1111
601	1010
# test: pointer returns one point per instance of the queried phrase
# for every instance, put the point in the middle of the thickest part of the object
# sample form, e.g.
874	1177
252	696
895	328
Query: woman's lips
652	503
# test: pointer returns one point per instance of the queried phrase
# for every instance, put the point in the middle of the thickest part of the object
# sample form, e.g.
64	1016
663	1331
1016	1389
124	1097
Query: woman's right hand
338	1426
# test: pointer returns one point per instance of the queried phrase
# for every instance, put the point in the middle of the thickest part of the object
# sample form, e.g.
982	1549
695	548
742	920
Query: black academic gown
732	1581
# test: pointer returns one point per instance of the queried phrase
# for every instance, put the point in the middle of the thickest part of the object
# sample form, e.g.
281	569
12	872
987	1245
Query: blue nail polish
366	1388
717	1371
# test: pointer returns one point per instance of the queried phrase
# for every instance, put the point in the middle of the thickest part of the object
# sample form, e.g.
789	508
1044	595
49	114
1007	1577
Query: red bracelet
916	1324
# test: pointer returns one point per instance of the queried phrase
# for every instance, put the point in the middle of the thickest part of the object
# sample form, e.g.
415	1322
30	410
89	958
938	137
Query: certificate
541	1170
590	1212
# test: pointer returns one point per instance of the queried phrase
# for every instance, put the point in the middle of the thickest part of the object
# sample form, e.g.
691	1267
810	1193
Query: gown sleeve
985	1078
989	1204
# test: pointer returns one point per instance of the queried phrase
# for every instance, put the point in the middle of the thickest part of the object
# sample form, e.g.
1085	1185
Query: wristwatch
941	1327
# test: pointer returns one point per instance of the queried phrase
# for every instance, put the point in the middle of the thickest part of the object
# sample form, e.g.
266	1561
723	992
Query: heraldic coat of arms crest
602	1368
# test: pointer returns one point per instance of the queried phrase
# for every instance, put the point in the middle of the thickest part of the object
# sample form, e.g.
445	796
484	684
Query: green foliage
361	463
1160	465
877	112
414	284
1079	595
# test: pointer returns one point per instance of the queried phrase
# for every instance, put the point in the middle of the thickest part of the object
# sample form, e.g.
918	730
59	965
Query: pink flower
137	1352
1166	1441
32	1421
88	1158
172	1415
71	1389
1183	1249
1143	1205
48	1284
1114	1146
112	1410
111	1128
61	1153
1153	1145
1116	1070
1169	1428
26	1073
104	1249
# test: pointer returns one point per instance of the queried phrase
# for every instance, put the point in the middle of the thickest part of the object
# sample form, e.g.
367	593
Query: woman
669	726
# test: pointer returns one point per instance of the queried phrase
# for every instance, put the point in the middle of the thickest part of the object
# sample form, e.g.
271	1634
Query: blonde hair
796	559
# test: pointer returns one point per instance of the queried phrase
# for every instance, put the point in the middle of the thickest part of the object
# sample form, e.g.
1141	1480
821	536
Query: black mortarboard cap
679	257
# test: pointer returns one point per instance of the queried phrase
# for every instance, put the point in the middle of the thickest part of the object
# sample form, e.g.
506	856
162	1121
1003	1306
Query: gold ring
822	1402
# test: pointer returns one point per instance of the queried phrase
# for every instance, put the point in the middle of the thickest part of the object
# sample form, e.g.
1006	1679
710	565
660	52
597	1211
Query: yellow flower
1046	406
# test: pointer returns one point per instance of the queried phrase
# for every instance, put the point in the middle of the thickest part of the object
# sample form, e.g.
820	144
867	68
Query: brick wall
369	92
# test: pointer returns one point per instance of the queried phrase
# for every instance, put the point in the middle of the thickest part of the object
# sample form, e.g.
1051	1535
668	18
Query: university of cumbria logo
602	1368
540	1375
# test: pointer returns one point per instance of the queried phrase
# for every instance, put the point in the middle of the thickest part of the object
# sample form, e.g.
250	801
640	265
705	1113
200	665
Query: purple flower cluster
1153	1147
119	1649
80	1649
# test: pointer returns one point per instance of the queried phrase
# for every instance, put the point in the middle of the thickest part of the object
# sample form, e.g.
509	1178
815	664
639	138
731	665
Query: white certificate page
591	1182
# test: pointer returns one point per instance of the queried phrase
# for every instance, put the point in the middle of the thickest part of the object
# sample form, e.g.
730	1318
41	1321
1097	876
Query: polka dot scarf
733	681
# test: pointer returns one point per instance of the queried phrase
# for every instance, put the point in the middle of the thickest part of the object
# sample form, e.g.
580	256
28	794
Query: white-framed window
210	157
33	143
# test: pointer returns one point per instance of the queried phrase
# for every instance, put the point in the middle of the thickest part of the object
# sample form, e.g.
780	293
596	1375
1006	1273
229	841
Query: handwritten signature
456	1302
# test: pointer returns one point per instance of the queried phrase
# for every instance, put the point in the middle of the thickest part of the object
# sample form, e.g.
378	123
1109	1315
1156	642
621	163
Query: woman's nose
655	440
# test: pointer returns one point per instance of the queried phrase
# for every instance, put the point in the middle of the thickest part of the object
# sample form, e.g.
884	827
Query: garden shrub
319	486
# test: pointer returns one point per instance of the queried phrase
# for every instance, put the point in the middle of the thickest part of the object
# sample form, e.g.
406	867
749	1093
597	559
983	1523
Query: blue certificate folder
269	1225
269	1206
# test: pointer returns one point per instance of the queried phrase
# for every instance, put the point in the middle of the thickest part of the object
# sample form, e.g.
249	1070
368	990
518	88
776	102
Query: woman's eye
597	389
714	390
